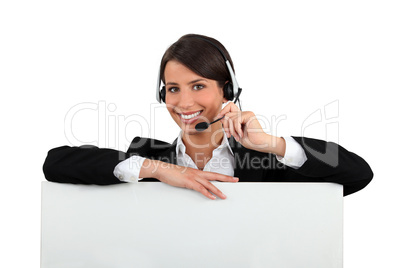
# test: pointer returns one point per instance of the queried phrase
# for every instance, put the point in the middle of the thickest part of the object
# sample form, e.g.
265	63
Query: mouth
190	118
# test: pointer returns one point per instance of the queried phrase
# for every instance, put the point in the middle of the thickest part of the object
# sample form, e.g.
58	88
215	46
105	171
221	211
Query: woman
198	75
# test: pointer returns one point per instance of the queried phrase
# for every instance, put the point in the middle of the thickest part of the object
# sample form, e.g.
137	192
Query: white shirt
222	160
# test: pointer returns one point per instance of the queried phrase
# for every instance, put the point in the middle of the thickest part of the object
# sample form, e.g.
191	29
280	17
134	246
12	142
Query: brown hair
200	56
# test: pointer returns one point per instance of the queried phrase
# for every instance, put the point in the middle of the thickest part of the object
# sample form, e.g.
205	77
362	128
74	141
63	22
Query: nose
186	99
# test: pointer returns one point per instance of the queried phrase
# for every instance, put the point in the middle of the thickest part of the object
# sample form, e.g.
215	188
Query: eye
198	87
173	89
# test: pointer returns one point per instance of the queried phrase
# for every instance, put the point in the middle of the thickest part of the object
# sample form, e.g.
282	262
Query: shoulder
148	146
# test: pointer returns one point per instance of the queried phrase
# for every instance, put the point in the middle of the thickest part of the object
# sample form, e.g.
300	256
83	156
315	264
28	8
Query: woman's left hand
246	129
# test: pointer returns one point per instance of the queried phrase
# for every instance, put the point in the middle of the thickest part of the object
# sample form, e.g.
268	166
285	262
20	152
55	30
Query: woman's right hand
185	177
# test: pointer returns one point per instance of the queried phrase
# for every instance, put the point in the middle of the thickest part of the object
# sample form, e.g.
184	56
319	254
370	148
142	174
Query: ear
224	99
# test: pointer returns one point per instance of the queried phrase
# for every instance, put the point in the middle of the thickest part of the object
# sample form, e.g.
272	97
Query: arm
332	163
137	167
91	165
326	161
82	165
318	161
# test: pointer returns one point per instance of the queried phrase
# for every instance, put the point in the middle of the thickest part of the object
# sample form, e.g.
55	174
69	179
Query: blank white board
151	224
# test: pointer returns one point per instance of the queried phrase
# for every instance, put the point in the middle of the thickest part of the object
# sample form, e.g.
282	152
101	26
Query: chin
190	131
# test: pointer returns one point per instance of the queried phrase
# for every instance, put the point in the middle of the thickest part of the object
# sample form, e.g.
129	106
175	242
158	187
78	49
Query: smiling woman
199	78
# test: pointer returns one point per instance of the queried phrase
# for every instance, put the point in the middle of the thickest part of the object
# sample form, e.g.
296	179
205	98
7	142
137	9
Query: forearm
277	146
150	168
272	144
136	168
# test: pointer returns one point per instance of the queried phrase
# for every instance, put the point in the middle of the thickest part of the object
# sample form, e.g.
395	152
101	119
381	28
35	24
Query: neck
204	141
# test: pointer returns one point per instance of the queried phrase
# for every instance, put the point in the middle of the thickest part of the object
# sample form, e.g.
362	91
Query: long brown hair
200	56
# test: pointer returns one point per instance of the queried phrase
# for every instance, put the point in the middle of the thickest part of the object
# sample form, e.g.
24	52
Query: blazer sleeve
82	165
329	162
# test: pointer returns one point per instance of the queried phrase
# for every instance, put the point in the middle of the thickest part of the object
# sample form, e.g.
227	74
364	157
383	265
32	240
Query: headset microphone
204	125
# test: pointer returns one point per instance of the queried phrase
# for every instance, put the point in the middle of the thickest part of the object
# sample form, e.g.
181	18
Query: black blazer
327	162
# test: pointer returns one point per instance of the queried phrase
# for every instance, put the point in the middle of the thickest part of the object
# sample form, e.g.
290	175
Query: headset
231	90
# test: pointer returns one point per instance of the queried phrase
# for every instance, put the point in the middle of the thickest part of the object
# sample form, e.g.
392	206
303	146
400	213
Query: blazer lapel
247	167
169	155
245	159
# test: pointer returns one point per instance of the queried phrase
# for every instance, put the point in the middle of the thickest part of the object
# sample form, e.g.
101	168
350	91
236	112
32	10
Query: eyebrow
189	83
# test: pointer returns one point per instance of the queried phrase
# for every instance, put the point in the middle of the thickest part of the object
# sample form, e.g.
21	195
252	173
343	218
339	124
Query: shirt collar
181	148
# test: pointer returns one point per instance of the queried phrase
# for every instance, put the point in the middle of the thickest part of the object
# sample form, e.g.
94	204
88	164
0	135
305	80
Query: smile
189	116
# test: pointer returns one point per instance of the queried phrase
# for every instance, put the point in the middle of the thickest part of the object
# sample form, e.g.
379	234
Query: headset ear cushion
162	94
228	91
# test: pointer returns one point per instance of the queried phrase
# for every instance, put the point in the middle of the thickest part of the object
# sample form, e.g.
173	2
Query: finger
225	125
235	119
237	125
231	107
213	176
232	129
197	186
212	188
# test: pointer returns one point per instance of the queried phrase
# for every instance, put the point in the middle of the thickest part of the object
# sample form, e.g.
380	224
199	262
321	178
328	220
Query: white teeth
190	115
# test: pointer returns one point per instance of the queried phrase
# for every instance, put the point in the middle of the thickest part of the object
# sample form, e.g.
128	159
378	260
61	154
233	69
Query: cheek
171	111
170	103
170	100
210	98
214	101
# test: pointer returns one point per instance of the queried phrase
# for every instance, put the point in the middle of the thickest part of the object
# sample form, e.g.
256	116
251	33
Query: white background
292	58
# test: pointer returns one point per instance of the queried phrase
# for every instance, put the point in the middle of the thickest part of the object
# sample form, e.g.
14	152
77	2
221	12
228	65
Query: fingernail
224	196
235	178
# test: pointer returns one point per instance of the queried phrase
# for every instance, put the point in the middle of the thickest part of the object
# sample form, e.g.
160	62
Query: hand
246	129
189	178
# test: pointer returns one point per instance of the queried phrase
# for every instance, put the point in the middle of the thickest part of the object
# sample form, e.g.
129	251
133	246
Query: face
190	98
